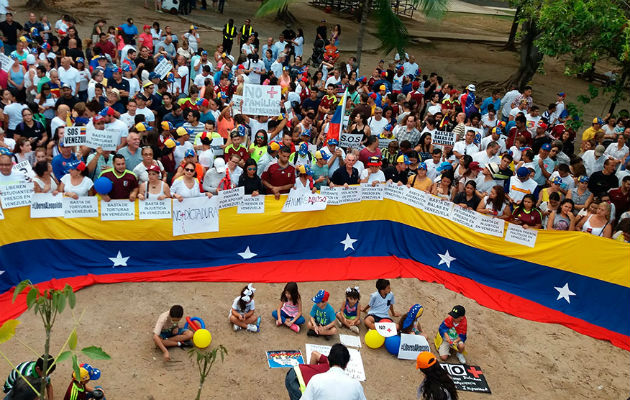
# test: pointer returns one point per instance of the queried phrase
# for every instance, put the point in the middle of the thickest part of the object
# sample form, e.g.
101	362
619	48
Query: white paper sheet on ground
350	340
354	369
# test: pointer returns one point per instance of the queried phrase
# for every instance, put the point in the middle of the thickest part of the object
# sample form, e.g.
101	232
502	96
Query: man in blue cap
520	185
398	173
336	155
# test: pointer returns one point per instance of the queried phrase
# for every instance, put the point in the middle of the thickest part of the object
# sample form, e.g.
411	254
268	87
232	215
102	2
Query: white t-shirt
484	143
259	66
181	83
200	79
193	41
180	188
531	123
482	158
462	148
141	171
14	111
128	119
82	189
248	306
519	189
376	127
206	158
134	86
70	76
378	176
613	151
54	124
148	114
120	127
179	152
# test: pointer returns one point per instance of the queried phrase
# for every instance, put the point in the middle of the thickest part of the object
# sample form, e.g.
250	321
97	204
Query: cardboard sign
443	138
196	215
284	358
24	168
45	205
75	136
386	329
332	194
304	200
350	140
468	378
6	61
231	197
350	194
369	192
16	195
118	210
83	207
217	147
519	235
411	346
464	216
490	226
261	100
105	139
154	209
163	68
439	207
354	369
251	205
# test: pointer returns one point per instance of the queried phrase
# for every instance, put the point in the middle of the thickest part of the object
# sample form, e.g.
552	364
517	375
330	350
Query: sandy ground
521	359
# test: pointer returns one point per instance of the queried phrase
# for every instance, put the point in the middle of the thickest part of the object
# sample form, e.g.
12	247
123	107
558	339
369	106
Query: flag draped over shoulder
336	123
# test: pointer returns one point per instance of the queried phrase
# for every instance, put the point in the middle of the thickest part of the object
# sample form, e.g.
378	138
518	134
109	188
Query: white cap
30	59
231	57
219	165
471	87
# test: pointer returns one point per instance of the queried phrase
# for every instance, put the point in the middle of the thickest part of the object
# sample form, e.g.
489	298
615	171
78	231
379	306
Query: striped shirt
26	368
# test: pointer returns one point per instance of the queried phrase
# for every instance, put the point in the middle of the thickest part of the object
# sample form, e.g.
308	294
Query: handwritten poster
350	140
519	235
395	192
332	194
251	205
354	369
369	192
16	195
411	346
261	99
439	207
490	226
465	217
83	207
231	197
74	136
106	139
154	209
118	210
195	215
350	194
443	137
304	200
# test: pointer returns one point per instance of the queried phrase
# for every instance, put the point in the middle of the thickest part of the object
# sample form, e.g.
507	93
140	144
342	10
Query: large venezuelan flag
336	122
570	278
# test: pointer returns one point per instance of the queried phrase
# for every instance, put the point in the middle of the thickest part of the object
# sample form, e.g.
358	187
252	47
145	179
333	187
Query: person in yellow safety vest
245	32
229	33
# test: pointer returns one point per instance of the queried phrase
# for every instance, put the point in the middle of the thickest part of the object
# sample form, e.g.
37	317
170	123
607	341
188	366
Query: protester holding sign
124	182
44	181
187	185
75	184
280	177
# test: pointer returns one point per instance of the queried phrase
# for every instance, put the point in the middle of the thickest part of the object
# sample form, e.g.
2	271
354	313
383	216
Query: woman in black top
250	179
468	198
31	129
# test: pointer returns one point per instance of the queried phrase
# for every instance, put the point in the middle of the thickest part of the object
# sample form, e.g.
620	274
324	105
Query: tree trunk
512	38
285	15
530	58
618	91
365	12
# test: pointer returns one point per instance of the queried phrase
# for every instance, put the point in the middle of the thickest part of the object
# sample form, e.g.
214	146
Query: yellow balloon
202	338
373	339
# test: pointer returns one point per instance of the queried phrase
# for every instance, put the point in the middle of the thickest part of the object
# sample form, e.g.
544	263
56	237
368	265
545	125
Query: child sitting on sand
242	312
168	333
381	303
348	314
453	330
289	312
409	323
322	321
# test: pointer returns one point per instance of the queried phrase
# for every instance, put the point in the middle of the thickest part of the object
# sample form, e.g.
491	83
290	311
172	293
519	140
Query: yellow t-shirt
423	184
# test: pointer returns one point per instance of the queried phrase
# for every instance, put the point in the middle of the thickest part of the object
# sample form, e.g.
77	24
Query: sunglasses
260	137
251	168
189	170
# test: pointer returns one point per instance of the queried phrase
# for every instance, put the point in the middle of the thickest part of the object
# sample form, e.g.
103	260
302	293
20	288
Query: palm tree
392	32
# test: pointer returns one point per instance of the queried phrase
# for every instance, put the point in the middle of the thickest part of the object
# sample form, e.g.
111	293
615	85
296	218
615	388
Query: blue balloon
392	344
103	185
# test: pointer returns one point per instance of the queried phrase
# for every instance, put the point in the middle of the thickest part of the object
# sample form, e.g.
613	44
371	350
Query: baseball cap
583	179
415	85
204	53
522	172
321	295
34	31
546	147
170	143
321	155
6	152
557	180
30	59
273	146
382	87
471	87
474	166
66	85
457	311
97	118
403	159
422	165
78	165
496	130
193	27
444	166
80	60
181	131
83	373
143	126
374	161
599	150
166	126
219	165
425	360
203	102
541	124
333	141
142	97
414	312
108	111
598	121
146	26
304	169
154	168
561	94
303	149
189	153
153	75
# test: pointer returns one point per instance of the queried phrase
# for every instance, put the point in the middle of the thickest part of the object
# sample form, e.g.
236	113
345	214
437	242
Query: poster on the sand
468	378
284	358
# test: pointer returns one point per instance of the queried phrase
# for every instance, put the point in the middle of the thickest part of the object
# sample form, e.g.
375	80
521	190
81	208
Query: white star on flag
446	258
348	242
564	293
1	272
247	254
119	260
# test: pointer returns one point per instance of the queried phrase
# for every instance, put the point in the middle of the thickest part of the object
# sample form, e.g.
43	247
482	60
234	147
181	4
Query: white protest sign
45	205
163	68
386	329
350	340
464	216
83	207
118	210
439	207
6	61
217	147
238	103
251	205
304	200
369	192
351	140
106	139
395	192
231	197
416	198
350	194
24	168
261	99
411	346
74	136
384	143
16	195
1	214
443	137
154	209
332	194
519	235
354	369
490	226
196	215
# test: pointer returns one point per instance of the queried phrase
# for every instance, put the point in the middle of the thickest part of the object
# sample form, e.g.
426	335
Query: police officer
245	32
229	33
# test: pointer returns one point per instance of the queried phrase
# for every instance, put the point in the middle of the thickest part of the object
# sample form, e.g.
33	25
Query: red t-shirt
328	102
514	132
241	151
531	218
275	175
123	184
308	370
620	200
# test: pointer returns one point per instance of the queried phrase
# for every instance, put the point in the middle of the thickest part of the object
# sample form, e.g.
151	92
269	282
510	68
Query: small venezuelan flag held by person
336	123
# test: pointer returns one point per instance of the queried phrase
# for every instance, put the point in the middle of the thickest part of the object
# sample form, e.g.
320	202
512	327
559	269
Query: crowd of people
181	135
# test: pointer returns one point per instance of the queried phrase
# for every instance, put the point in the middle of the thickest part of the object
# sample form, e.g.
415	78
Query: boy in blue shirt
322	318
381	302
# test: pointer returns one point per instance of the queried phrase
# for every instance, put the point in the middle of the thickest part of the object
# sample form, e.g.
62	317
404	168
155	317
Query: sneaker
187	343
258	323
237	328
295	328
311	333
253	328
461	358
354	329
